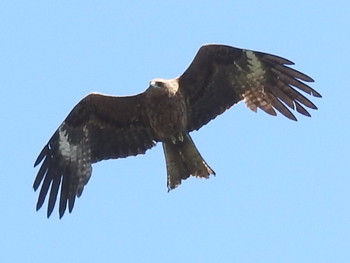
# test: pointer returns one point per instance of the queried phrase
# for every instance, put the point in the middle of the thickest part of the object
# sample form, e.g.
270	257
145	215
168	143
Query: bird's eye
156	84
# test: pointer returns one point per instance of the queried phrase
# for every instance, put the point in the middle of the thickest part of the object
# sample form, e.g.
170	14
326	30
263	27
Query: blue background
282	189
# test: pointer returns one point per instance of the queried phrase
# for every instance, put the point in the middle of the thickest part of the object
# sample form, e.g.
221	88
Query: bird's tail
182	160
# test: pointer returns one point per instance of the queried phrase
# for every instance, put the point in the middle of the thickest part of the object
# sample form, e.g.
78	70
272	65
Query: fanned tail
183	160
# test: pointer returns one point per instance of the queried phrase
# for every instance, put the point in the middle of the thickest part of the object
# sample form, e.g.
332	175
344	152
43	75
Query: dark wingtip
316	94
49	212
39	204
61	214
41	155
274	58
292	118
310	79
71	203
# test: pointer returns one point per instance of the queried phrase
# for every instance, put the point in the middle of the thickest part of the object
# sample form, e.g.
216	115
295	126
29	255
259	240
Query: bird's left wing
98	128
220	76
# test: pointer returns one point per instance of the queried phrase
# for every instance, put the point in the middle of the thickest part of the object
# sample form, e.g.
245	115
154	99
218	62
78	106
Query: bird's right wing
98	128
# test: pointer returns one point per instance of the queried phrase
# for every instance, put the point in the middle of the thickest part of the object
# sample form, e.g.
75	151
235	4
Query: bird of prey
102	127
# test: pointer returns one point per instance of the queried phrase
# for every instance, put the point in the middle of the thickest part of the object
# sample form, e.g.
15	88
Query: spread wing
220	76
98	128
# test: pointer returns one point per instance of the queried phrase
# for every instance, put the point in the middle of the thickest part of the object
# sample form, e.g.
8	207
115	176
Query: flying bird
102	127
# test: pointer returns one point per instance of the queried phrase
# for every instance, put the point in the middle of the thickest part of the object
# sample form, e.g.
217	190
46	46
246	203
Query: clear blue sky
282	190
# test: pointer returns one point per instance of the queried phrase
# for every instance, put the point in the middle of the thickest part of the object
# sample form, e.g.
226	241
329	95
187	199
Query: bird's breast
167	115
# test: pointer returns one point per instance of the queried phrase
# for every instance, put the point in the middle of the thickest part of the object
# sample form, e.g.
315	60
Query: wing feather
277	59
56	180
296	83
64	194
292	93
292	73
301	109
41	172
44	189
221	76
278	105
98	128
278	92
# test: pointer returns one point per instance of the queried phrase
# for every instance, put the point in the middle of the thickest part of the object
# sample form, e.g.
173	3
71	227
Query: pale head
171	85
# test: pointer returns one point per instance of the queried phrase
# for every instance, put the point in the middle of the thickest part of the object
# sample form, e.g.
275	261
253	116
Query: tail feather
183	160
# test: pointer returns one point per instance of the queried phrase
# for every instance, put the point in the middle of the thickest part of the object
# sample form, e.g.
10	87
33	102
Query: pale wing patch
78	157
67	149
255	96
255	66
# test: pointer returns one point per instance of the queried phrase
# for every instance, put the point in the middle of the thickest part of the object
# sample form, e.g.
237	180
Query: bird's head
170	86
156	83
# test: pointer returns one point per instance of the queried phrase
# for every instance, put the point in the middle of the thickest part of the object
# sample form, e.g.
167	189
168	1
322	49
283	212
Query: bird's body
104	127
170	127
163	94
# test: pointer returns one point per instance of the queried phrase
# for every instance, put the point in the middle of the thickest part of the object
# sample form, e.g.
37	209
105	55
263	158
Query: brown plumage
105	127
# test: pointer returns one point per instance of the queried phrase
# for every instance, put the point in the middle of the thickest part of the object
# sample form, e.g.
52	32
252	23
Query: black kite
105	127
